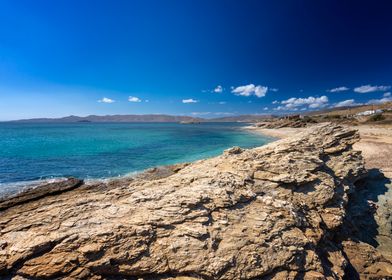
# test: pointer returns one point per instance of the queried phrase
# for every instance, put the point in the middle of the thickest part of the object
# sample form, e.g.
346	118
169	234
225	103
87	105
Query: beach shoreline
212	207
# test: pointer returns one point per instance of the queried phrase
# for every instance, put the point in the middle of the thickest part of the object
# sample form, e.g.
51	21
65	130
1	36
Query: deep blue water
100	150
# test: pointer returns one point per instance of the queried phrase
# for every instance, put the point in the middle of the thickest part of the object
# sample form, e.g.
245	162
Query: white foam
7	189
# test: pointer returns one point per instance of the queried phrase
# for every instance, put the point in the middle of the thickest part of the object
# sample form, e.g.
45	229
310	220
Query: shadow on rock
362	207
362	227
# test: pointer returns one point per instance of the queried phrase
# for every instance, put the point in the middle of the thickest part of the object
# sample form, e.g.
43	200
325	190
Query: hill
145	118
114	118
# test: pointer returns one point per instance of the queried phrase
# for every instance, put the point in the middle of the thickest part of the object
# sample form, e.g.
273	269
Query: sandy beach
375	144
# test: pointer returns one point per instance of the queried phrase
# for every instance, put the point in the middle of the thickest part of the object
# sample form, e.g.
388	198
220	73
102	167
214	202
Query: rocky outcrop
295	121
273	212
38	192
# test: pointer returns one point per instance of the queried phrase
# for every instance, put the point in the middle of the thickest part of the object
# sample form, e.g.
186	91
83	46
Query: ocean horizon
35	152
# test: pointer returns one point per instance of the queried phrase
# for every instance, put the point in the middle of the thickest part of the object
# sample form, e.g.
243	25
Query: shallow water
31	152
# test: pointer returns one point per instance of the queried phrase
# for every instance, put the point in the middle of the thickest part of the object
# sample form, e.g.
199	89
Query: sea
34	152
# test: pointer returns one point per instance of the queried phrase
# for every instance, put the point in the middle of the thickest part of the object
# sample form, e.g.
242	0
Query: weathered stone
264	213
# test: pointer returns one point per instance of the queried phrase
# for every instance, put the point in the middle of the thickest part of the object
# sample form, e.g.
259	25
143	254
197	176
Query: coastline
279	133
205	208
206	219
34	153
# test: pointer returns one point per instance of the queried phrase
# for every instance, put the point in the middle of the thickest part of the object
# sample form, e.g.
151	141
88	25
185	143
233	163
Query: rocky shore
294	209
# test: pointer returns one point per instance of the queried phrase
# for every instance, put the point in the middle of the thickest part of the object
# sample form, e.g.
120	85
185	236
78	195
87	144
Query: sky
199	58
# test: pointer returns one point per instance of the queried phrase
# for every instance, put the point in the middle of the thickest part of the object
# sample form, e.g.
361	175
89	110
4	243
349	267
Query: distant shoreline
143	118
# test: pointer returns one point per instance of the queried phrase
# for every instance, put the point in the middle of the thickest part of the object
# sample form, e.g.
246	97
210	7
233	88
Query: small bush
376	118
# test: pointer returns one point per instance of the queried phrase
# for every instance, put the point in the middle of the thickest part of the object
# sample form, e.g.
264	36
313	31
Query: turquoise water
31	152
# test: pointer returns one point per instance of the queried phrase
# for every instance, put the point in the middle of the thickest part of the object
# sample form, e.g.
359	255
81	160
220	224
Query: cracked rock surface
272	212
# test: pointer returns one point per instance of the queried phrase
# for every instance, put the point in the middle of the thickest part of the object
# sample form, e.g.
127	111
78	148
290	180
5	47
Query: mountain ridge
142	118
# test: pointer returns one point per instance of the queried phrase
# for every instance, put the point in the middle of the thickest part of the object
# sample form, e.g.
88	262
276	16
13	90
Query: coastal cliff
281	211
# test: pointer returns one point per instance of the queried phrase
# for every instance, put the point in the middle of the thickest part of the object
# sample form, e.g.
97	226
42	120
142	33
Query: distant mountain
115	118
145	118
241	118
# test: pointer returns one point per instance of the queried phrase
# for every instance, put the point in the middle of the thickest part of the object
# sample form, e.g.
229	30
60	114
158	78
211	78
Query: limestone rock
264	213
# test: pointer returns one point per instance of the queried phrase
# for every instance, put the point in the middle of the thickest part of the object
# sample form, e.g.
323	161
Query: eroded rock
264	213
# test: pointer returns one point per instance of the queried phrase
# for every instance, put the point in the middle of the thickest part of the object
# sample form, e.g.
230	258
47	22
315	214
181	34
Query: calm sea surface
31	152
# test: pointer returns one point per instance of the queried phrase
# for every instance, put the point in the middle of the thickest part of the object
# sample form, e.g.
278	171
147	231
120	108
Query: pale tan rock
264	213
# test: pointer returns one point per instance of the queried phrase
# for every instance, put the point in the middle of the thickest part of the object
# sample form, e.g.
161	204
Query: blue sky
201	58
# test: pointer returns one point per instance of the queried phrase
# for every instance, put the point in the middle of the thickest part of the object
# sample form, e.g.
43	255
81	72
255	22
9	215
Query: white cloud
106	100
190	100
338	89
369	88
222	102
200	113
345	103
218	89
134	99
387	94
265	108
274	89
279	108
275	102
212	113
223	113
251	89
311	102
380	101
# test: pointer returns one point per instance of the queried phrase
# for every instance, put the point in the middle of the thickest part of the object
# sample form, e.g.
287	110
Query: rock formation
274	212
287	121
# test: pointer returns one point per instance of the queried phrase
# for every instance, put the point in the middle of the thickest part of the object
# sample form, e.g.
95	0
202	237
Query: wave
13	188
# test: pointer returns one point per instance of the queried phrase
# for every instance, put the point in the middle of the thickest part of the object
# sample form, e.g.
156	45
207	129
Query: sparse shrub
376	118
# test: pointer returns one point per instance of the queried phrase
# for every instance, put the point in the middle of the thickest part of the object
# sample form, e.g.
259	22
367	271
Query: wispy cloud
223	113
212	113
275	102
222	102
274	89
218	89
380	101
345	103
311	102
281	108
370	88
251	89
134	99
190	100
387	94
106	100
200	113
338	89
